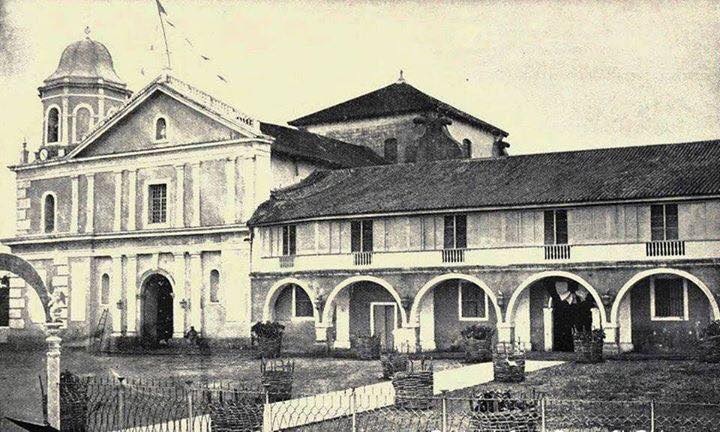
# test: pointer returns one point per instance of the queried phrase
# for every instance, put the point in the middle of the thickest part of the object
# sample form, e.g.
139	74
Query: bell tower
83	91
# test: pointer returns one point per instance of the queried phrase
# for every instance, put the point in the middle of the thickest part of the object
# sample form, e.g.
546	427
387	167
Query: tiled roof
625	173
306	145
397	98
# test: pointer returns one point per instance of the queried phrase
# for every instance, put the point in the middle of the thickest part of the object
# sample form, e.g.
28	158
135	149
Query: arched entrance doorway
157	310
365	306
548	307
659	311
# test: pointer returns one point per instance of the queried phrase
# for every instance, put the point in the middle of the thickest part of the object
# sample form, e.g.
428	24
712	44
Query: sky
557	75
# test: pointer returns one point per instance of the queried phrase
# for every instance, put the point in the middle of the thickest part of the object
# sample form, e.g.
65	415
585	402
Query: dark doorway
572	309
157	310
384	323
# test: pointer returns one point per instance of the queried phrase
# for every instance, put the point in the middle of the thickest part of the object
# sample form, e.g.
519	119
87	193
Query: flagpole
162	25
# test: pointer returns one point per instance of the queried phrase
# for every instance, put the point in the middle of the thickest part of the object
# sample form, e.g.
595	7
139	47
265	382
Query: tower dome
86	59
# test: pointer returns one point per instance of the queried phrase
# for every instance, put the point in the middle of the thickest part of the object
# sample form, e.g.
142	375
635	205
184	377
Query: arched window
53	125
390	151
49	212
467	148
302	306
105	289
214	286
83	120
160	129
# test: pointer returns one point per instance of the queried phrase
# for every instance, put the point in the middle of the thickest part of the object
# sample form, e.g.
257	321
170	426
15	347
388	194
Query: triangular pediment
190	116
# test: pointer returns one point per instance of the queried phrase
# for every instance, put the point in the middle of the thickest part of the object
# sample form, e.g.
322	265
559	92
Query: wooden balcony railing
453	255
362	258
665	248
557	252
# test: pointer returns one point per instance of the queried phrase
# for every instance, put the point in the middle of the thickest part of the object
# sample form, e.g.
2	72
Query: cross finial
401	79
87	32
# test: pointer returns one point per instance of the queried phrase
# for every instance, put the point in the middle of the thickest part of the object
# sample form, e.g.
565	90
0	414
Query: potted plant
495	411
366	347
268	336
509	363
588	345
710	343
393	362
277	379
477	342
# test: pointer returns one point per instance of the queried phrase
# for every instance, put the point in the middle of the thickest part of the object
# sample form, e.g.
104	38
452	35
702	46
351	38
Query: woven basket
477	350
588	351
269	347
277	378
508	365
414	388
505	421
392	363
366	347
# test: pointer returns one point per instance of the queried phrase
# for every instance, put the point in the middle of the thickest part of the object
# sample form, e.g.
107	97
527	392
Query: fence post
267	414
52	370
444	411
121	403
353	408
652	415
542	415
191	419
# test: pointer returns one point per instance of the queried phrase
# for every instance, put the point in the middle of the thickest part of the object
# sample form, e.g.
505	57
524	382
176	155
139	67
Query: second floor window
455	232
556	228
361	236
157	205
664	222
49	213
288	240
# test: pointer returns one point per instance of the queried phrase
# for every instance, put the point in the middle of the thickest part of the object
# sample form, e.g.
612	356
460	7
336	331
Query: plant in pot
268	336
477	342
710	342
509	363
366	347
393	362
588	345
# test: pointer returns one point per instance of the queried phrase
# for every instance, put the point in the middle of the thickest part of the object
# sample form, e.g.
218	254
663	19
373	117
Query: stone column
116	295
132	192
505	332
179	314
548	328
180	196
342	320
405	339
196	290
131	296
427	322
611	346
52	369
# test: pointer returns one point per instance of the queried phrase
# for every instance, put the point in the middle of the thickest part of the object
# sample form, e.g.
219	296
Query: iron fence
112	404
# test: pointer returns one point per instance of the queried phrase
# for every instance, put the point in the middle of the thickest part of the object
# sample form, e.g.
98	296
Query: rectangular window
4	302
303	305
288	240
472	301
455	232
663	222
669	298
361	236
157	205
556	228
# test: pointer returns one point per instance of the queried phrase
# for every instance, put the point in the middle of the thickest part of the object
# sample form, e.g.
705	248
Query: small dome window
160	129
53	125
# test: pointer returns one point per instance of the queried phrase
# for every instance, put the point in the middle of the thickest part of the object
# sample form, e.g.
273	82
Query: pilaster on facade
180	196
117	305
248	170
117	215
18	289
180	301
90	207
131	296
196	290
74	204
132	197
64	133
230	211
59	282
196	174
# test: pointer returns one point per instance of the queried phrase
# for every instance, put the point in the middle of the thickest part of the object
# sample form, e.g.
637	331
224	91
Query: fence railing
665	248
557	252
453	255
136	406
362	258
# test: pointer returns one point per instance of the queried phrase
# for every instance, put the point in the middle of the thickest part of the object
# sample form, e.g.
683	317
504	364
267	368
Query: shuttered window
664	222
289	240
455	232
361	236
556	227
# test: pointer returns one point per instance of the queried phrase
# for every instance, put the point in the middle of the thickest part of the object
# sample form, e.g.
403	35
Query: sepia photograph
359	215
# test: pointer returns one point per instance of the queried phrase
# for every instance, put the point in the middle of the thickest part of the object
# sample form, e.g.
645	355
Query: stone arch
18	266
647	273
509	317
351	280
146	275
276	289
415	310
